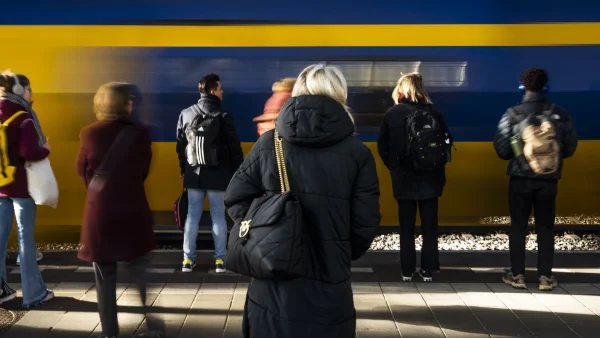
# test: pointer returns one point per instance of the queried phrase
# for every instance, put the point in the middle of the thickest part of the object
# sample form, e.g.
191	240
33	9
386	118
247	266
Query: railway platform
466	299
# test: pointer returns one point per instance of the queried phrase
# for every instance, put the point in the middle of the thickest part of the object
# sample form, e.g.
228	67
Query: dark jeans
540	195
428	210
106	289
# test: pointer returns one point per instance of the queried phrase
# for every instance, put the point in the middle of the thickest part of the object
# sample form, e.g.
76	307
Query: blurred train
469	52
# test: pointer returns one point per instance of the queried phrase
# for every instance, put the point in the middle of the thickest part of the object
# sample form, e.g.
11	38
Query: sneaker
38	256
219	268
407	278
188	265
7	294
426	275
547	284
49	296
517	282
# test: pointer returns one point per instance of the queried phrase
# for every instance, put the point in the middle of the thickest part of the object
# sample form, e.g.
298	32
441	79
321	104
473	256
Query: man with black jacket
528	190
208	181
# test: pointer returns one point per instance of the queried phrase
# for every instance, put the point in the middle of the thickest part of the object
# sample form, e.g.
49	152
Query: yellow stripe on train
477	184
526	34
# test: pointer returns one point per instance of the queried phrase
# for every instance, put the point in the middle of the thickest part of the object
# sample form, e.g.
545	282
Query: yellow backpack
7	171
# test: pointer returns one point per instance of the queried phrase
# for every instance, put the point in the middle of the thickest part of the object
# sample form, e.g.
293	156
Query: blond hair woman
334	177
414	144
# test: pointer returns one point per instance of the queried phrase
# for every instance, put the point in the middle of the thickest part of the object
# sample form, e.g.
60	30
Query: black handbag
268	243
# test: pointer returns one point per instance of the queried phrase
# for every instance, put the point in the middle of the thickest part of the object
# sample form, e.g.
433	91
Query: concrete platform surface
464	300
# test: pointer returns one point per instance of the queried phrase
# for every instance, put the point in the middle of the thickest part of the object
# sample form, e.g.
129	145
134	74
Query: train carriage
469	52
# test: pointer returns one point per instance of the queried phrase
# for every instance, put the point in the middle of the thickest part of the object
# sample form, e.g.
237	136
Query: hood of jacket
313	121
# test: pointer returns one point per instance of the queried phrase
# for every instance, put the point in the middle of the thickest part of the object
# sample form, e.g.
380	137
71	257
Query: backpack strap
12	118
549	108
515	115
196	109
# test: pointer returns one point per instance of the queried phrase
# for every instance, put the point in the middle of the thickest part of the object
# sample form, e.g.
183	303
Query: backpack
537	132
202	137
7	171
426	140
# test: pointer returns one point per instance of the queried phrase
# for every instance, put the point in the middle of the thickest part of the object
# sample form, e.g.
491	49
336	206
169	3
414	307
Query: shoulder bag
268	243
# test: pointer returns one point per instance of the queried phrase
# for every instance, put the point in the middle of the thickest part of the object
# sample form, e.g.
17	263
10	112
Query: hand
46	144
181	176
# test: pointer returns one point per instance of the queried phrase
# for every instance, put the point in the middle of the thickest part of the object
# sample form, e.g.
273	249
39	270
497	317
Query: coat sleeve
181	144
245	185
366	215
29	149
502	138
570	138
232	141
383	143
81	162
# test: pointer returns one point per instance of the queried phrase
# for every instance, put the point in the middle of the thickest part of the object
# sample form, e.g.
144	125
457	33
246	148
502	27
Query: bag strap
12	118
118	149
283	177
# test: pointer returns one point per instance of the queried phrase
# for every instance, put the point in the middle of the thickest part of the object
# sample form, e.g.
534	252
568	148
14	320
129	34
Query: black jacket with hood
333	174
230	154
566	135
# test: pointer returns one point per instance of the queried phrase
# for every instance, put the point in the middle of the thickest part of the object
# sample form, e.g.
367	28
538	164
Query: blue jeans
33	287
216	200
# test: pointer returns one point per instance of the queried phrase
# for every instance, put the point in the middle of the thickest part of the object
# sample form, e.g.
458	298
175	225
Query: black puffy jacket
333	175
566	135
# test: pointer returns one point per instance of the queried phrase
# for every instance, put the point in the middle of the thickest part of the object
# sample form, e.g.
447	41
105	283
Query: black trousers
540	195
106	290
407	213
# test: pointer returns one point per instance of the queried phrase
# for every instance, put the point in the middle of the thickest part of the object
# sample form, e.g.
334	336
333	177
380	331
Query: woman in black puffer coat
333	175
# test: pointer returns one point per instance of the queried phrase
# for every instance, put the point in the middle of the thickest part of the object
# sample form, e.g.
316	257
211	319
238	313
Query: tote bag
41	183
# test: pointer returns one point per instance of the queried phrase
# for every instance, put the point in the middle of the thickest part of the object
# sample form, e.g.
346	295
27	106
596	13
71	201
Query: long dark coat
333	175
391	145
117	223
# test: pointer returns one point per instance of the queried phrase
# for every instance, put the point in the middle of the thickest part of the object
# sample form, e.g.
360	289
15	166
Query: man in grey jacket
528	190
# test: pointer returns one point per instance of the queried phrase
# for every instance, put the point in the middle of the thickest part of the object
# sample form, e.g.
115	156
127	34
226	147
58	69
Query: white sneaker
38	256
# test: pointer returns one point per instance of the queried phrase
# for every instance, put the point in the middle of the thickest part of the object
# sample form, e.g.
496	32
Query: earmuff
17	89
522	88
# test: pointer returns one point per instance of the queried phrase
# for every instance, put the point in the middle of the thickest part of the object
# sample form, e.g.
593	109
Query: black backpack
202	137
426	140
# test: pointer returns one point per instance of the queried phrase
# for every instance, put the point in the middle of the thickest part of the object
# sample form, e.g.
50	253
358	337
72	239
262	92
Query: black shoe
408	277
426	275
7	294
219	268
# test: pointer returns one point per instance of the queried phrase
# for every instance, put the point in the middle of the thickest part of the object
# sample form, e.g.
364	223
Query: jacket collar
534	97
212	99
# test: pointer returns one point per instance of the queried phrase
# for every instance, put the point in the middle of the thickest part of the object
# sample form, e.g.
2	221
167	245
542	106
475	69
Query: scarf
23	103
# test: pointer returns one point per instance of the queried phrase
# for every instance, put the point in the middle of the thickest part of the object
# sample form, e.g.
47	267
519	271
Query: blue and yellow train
470	53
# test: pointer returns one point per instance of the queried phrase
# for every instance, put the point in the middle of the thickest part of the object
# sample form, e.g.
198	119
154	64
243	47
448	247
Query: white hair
326	80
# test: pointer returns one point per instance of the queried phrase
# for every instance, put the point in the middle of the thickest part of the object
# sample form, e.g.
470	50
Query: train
469	52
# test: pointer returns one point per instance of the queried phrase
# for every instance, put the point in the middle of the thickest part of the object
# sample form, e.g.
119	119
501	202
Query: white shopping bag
41	183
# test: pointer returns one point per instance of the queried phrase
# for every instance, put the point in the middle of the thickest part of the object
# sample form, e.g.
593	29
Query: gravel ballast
498	241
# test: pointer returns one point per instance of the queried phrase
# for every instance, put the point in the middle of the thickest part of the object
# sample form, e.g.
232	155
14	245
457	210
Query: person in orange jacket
282	91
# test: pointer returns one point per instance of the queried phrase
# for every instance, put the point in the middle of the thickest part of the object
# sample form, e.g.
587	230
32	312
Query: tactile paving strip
8	318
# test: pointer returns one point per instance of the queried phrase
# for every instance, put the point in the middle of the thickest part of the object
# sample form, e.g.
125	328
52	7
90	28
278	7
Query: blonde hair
412	88
326	80
285	85
111	101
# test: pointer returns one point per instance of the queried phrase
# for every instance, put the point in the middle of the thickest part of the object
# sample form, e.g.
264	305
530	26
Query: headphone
17	89
544	90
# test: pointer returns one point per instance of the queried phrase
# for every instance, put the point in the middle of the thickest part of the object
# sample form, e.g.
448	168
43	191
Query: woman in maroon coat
117	224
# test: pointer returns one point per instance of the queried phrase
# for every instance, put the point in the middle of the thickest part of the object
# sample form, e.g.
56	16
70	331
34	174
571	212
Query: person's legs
216	199
407	214
106	293
6	215
190	233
